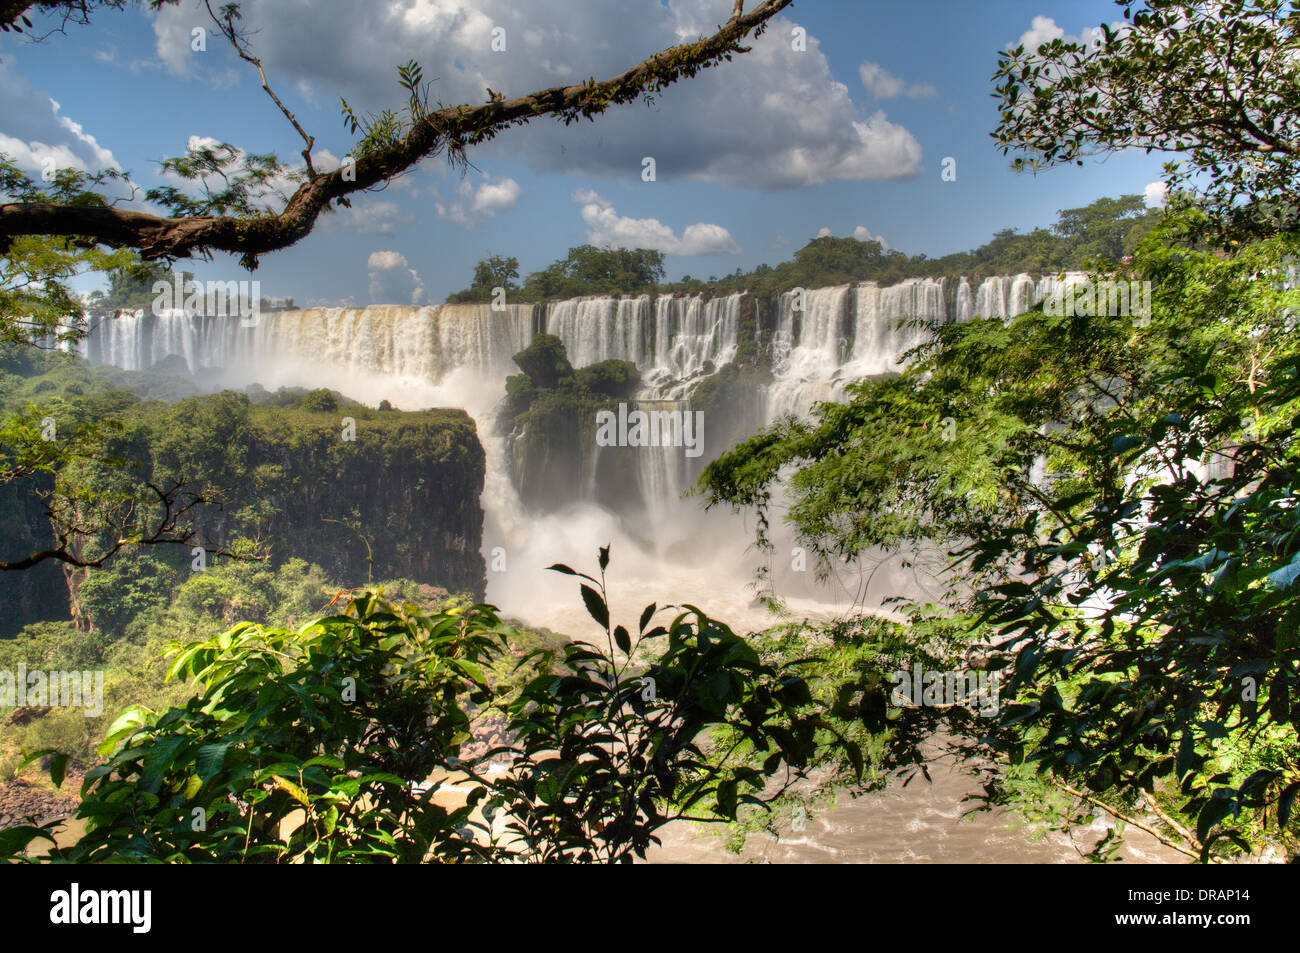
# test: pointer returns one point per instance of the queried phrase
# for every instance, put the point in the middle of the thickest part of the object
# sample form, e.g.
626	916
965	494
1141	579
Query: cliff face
549	418
366	494
404	492
26	596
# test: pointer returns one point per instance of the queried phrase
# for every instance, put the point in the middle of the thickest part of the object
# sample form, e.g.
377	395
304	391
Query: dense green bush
329	743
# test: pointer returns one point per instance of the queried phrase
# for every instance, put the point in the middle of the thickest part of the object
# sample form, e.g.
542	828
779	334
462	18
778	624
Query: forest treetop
1108	229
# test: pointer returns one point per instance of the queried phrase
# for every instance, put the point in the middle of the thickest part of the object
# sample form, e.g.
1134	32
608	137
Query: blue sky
752	159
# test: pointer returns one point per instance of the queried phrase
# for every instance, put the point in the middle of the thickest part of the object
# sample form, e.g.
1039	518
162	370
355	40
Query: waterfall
422	343
459	355
601	328
692	336
824	338
1006	296
662	470
807	349
965	303
812	357
840	333
891	321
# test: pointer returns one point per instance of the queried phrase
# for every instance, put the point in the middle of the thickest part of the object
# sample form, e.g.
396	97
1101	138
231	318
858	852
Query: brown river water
921	823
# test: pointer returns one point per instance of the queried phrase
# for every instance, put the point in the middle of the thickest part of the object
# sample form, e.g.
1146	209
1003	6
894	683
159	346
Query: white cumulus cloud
38	136
882	84
1041	30
607	229
103	157
1045	29
773	118
367	217
175	40
393	280
1155	194
863	234
474	203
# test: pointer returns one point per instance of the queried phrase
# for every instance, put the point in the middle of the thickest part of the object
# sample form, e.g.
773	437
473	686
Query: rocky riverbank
22	801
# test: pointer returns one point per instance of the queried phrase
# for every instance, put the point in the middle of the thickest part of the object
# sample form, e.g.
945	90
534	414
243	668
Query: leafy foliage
609	751
495	271
332	743
1105	230
1213	80
1120	495
37	307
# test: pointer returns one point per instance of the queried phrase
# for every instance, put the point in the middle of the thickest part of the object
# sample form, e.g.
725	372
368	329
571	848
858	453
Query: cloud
608	229
824	232
393	280
103	157
1155	194
882	84
863	234
37	136
1041	30
1044	30
174	42
35	156
773	118
367	217
472	204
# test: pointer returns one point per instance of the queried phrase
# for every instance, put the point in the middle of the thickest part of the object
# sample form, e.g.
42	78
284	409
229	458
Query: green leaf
134	718
14	840
210	758
646	615
293	790
1283	578
622	640
58	768
158	759
596	606
1285	802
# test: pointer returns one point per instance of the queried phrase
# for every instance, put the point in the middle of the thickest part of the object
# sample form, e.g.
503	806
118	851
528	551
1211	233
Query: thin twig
227	28
1195	855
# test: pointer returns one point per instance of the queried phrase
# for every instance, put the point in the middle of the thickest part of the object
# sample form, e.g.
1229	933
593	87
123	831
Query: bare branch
228	29
175	501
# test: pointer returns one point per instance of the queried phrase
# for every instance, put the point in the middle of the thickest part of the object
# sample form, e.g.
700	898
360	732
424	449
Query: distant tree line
1108	230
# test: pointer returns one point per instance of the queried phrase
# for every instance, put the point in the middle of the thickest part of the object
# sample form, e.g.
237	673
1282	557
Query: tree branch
169	531
227	28
1136	823
452	129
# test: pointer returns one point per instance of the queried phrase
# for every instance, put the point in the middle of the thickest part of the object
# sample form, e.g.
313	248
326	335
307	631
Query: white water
844	334
598	329
459	356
